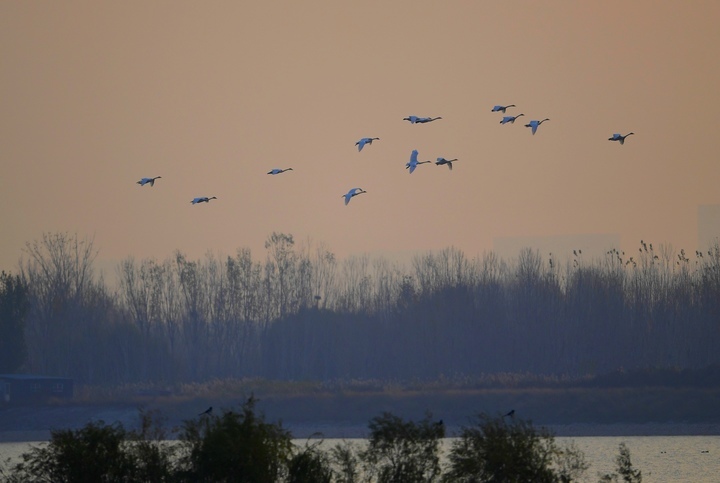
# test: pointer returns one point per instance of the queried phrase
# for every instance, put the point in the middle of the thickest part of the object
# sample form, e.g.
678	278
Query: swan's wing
414	156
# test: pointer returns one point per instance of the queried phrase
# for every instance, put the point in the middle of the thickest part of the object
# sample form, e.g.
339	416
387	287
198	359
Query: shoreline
344	430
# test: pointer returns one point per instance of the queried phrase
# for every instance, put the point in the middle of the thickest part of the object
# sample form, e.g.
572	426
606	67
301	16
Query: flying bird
206	412
413	163
442	161
353	192
361	144
510	119
202	199
278	171
510	413
420	120
150	181
534	124
620	137
501	108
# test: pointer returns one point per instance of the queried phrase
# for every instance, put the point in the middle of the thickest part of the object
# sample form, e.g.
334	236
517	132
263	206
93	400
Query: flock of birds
413	163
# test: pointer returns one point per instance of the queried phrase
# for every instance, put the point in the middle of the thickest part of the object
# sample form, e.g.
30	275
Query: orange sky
212	95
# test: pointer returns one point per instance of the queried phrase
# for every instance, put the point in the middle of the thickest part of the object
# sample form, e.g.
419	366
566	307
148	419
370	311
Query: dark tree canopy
14	305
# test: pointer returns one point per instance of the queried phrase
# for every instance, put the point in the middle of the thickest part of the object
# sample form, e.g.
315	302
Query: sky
213	95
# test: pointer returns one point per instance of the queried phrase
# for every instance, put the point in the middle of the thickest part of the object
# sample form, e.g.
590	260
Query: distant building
562	247
708	226
33	389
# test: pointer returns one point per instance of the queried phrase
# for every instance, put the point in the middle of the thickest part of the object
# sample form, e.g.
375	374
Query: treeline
240	446
302	314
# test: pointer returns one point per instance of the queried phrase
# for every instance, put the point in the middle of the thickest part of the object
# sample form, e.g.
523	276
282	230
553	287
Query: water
660	458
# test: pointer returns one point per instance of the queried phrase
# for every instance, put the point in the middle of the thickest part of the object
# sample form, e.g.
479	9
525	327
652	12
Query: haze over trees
299	313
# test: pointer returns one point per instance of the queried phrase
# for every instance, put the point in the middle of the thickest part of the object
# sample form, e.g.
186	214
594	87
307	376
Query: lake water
660	458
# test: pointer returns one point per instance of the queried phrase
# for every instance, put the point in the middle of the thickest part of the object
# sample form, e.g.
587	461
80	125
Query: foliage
14	305
345	463
570	463
503	449
99	452
235	447
310	465
624	468
298	313
402	451
241	447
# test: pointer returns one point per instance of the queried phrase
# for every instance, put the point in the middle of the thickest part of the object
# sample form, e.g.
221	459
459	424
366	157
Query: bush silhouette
403	451
502	449
625	469
235	447
91	454
310	465
100	452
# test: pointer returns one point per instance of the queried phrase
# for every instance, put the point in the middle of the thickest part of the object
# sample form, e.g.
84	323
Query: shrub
310	465
403	451
99	452
502	449
235	447
624	468
345	463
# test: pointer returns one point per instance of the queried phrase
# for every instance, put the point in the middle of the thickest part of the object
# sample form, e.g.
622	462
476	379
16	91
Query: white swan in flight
620	137
414	163
361	144
202	199
534	124
449	162
420	120
353	192
278	171
150	181
510	119
501	108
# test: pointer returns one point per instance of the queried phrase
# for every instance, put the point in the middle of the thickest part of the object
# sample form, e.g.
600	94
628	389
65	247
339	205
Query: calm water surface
660	458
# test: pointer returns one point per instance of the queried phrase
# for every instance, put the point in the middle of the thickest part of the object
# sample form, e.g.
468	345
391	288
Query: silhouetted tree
235	447
499	449
14	305
403	451
624	468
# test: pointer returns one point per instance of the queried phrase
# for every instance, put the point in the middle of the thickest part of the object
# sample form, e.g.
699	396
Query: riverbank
339	414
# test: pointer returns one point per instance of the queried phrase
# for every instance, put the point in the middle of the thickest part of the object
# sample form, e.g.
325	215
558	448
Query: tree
310	465
235	447
99	452
625	469
403	451
502	449
14	306
345	463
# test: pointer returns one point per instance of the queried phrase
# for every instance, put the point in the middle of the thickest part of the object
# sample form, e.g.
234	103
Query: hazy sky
212	95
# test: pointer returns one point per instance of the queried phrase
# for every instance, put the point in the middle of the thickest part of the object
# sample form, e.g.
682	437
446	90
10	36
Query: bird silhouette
150	181
361	144
202	199
420	120
206	412
534	124
353	192
510	414
278	171
620	137
501	108
510	119
414	163
443	161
